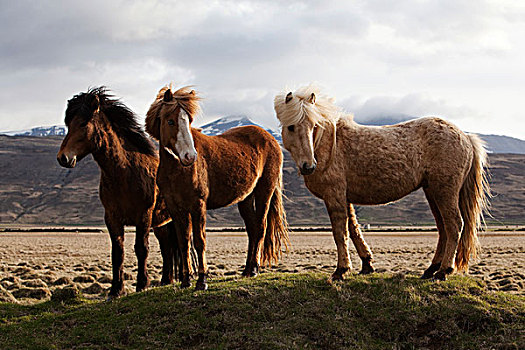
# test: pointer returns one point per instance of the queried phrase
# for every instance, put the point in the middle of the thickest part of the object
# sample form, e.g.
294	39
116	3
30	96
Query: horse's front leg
198	218
359	242
142	251
337	209
116	233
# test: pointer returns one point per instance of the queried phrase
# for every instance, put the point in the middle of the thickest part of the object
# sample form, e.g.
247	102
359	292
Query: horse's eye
291	128
171	122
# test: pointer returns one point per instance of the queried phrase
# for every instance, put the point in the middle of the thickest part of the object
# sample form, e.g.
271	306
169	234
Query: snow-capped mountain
55	130
219	126
495	143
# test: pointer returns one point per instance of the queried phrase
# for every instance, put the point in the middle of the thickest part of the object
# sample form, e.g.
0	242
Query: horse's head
169	121
81	112
297	129
303	115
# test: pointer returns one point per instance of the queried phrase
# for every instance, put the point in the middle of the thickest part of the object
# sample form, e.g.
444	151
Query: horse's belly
378	195
227	193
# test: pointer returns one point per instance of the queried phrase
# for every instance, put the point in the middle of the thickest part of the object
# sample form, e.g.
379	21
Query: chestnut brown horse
199	172
344	163
101	125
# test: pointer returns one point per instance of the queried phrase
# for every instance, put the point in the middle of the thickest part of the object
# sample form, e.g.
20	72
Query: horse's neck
110	155
325	147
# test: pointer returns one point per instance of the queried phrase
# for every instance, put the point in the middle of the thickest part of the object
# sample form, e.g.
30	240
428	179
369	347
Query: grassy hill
36	190
272	311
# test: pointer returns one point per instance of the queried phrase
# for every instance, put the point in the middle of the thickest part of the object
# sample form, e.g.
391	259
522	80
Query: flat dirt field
32	265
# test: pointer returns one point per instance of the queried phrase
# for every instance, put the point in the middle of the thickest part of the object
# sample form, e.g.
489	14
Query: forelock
184	97
298	108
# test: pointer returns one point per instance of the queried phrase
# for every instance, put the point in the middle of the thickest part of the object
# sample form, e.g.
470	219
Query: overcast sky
462	60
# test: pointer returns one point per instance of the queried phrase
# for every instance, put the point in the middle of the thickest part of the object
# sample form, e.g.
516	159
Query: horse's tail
276	237
473	199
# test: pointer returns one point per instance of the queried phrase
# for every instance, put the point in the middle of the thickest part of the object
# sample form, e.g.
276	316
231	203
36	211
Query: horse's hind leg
247	211
198	218
116	233
337	209
142	251
453	224
438	255
183	228
359	242
166	249
263	195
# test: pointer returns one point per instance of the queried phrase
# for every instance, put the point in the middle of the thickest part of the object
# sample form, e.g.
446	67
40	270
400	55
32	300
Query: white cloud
419	57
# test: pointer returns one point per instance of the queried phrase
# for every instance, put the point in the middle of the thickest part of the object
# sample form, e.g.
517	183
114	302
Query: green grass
381	311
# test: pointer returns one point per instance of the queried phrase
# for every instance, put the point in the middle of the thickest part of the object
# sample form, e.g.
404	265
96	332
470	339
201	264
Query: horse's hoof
110	298
201	286
116	292
201	282
429	273
366	267
339	273
166	282
142	286
254	271
441	275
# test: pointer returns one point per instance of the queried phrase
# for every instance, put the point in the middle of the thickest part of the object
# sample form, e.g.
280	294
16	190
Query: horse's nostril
308	169
62	160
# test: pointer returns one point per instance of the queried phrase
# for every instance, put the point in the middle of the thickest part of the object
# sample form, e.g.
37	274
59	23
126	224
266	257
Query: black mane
122	119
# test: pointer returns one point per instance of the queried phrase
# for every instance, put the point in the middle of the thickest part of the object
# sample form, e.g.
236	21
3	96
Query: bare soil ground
33	265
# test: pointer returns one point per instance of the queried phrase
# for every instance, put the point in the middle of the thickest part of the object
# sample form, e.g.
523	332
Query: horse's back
251	135
386	163
236	161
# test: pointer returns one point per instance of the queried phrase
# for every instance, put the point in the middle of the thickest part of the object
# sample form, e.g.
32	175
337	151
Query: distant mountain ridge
35	190
220	125
40	131
495	143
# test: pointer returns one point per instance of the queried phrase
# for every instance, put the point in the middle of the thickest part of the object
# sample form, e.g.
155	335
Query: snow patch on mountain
221	125
40	131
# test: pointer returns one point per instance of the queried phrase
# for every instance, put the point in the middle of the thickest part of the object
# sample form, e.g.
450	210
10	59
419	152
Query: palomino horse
101	125
199	172
344	163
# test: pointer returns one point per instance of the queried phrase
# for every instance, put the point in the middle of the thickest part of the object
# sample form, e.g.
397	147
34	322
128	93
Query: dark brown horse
199	172
101	125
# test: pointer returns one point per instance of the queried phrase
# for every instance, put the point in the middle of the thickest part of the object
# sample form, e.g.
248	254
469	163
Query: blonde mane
298	107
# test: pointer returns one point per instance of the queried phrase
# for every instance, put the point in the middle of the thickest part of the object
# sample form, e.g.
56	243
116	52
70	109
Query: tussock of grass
280	311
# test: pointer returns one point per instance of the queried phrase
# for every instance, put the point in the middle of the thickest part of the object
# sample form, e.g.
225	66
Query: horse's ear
288	97
192	92
311	99
95	104
168	96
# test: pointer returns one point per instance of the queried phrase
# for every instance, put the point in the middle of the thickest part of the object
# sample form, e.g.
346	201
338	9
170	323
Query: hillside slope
36	190
276	311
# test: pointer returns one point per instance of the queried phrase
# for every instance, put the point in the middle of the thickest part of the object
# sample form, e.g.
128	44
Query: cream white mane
298	108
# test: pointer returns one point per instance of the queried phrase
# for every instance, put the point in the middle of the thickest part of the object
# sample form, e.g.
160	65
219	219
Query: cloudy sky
462	60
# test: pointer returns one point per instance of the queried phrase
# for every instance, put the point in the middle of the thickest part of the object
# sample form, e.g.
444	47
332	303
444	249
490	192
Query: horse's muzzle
66	162
308	169
188	159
